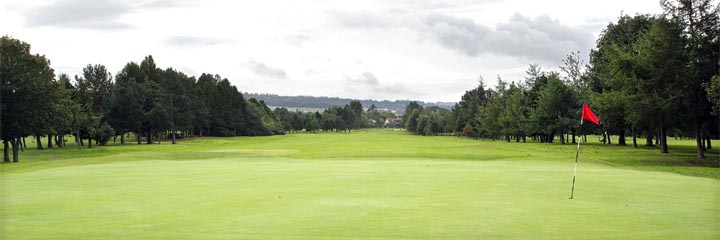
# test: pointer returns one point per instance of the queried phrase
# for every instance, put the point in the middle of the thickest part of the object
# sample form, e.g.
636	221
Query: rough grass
363	185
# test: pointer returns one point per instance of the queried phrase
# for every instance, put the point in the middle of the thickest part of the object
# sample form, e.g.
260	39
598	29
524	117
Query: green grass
365	185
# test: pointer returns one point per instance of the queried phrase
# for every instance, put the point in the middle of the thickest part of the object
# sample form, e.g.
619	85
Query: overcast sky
408	49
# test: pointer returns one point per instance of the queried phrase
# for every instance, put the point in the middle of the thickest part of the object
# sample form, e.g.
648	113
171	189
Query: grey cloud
369	85
88	14
457	33
265	70
159	4
300	37
361	19
367	78
193	41
538	39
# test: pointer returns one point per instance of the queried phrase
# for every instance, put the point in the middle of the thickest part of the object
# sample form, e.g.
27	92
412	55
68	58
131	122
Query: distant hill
311	103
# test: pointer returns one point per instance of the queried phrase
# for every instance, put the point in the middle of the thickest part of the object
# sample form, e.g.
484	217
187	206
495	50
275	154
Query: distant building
393	122
385	110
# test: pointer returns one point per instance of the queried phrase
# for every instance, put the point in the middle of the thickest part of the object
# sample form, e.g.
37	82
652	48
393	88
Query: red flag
588	114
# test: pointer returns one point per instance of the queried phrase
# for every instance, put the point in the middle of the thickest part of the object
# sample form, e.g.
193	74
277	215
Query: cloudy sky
406	49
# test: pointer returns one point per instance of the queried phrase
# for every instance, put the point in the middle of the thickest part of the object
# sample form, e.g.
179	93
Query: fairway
371	184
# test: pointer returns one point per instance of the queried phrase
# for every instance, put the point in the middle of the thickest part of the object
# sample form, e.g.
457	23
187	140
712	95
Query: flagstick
577	152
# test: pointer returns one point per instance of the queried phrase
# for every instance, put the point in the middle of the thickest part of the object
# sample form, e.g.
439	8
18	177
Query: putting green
288	187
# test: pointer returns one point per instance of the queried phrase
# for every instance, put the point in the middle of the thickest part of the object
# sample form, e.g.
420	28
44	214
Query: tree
713	92
490	114
26	81
124	107
83	119
412	120
699	21
615	78
62	107
156	116
412	106
97	81
331	120
298	121
662	77
312	124
103	133
178	88
358	120
285	118
553	115
466	110
469	131
512	119
269	124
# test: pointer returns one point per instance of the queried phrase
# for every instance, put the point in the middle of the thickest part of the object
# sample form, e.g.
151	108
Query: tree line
649	76
95	107
143	101
334	119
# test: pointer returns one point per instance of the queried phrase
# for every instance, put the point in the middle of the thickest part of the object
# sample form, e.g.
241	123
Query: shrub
103	133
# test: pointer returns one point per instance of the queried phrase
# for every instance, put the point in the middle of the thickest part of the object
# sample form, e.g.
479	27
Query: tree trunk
649	141
663	140
698	143
78	140
173	134
632	130
149	138
24	144
607	136
573	136
50	140
89	142
709	141
562	138
6	151
38	141
621	139
137	137
15	147
122	139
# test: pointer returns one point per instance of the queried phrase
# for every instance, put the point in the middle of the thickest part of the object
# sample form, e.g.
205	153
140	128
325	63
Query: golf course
368	184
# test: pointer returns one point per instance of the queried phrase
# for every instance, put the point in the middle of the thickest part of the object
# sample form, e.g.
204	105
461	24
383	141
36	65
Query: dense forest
650	76
312	102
